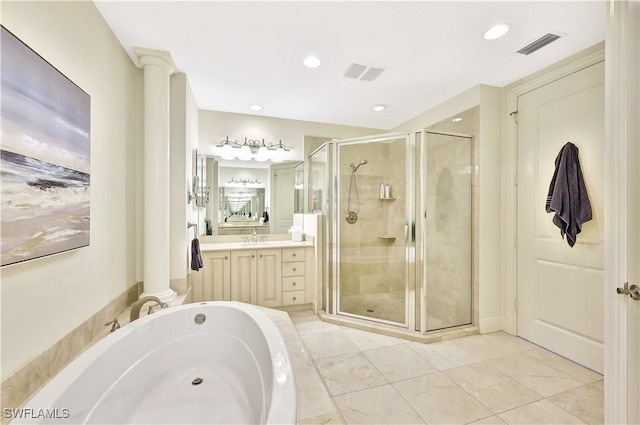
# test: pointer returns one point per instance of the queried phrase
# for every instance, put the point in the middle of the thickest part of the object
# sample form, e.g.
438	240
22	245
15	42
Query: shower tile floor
347	376
380	305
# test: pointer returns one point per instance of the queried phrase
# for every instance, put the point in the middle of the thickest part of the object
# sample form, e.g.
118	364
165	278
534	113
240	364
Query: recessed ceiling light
457	119
255	107
379	107
496	31
312	61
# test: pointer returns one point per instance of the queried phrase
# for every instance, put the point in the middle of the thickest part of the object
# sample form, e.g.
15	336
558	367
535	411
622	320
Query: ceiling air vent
361	72
354	71
538	44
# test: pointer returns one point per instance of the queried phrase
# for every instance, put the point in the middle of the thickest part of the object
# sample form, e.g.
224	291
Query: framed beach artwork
45	146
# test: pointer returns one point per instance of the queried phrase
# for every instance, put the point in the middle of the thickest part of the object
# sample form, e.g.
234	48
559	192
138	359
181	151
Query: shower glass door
448	240
372	233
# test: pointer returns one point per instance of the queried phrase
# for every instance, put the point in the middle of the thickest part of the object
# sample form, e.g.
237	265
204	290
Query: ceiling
238	53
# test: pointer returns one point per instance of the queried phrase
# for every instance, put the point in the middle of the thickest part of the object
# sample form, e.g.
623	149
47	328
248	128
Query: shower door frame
421	233
410	220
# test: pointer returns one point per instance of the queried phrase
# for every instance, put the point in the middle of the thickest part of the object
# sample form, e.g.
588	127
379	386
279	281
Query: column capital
155	57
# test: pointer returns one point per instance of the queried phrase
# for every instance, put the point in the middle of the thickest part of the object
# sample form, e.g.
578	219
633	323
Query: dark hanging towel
568	196
196	256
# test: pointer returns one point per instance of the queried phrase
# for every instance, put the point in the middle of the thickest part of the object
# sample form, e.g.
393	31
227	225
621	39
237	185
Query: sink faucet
137	306
255	236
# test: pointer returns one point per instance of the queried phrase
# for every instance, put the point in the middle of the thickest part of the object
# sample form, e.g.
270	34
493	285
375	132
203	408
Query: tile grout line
315	366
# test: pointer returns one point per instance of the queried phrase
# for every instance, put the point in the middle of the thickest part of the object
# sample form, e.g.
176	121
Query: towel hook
190	225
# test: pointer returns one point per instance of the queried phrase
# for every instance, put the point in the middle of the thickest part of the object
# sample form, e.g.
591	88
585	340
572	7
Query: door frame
410	283
622	99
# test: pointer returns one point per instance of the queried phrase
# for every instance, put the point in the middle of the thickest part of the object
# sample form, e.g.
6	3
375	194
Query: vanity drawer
293	283
293	297
292	254
296	268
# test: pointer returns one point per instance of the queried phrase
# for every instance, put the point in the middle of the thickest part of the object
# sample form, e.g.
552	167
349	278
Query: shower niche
400	256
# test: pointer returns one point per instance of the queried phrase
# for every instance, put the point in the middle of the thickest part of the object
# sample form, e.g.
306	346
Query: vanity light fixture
252	149
312	61
244	181
496	31
380	107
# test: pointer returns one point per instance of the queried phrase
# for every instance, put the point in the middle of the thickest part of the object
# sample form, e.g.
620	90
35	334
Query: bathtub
213	362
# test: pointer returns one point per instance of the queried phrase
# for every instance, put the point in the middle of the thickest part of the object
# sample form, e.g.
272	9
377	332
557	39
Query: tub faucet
114	324
137	306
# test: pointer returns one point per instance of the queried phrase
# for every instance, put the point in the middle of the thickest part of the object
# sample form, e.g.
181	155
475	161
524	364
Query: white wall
215	126
45	299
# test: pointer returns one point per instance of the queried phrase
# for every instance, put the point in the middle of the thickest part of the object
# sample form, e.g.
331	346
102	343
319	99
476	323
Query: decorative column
158	67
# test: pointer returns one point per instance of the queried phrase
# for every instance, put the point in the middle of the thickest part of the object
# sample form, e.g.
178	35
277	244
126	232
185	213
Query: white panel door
560	288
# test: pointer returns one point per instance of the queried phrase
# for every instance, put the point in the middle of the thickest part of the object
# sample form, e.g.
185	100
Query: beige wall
45	299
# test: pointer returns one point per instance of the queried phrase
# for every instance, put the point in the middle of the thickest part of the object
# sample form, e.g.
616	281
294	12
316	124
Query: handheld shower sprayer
355	167
352	216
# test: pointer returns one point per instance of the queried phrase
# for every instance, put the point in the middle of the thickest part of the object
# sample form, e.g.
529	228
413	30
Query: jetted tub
213	362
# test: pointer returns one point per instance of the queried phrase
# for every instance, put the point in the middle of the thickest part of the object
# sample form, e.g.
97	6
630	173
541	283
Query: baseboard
492	324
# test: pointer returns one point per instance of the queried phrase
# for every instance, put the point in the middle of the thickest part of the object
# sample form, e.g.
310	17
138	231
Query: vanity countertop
234	246
242	224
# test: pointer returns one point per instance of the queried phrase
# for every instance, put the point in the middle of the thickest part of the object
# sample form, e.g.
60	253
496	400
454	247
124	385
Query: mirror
240	192
241	204
298	188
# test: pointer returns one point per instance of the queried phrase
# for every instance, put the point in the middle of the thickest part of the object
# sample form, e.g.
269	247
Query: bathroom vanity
270	274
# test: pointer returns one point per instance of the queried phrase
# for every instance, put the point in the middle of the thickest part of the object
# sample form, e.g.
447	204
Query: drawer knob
294	269
253	255
225	257
260	255
294	298
294	284
294	254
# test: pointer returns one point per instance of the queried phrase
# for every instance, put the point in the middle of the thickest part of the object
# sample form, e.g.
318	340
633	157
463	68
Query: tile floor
347	376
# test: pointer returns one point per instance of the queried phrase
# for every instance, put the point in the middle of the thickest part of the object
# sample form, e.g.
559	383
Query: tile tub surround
481	379
20	386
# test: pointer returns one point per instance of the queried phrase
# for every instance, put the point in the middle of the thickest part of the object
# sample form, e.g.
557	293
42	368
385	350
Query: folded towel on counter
568	196
196	256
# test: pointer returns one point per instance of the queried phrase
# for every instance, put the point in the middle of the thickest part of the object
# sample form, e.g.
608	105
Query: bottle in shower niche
381	191
387	191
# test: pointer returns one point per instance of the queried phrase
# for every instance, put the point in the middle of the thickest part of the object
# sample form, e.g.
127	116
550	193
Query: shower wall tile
448	228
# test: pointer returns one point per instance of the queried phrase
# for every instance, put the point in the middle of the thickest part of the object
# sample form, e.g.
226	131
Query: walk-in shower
397	232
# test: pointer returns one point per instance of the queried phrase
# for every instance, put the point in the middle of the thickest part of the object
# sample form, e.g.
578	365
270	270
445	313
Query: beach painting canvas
45	146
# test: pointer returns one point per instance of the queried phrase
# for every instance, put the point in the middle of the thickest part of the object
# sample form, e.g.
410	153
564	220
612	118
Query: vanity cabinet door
216	277
244	273
269	285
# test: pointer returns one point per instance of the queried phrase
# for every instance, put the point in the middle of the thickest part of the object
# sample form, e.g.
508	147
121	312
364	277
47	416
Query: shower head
355	167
